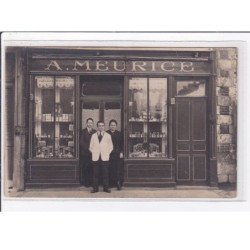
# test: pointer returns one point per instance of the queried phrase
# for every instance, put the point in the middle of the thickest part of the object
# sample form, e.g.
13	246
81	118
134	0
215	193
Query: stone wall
226	91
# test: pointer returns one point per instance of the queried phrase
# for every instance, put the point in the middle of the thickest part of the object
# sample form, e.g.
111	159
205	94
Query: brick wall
226	91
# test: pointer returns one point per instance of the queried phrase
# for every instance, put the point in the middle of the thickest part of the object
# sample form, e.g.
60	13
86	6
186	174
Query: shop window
157	117
54	117
147	116
191	88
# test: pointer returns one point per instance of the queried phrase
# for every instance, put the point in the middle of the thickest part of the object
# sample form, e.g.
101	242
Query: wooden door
191	139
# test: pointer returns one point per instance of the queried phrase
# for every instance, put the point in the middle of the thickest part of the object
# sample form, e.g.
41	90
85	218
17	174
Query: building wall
9	118
226	90
15	122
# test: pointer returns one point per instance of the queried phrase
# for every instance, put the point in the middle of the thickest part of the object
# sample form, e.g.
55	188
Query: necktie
100	137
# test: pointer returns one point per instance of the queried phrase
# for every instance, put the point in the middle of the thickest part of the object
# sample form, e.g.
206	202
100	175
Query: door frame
209	127
101	98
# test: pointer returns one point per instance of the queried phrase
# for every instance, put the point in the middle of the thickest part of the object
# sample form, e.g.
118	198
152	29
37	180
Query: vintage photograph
119	122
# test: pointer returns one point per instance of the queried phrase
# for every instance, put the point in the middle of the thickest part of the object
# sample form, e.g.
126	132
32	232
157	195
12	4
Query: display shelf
146	121
141	121
135	137
157	137
147	117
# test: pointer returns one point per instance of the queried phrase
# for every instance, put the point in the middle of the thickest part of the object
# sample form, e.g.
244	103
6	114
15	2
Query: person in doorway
86	171
115	168
100	146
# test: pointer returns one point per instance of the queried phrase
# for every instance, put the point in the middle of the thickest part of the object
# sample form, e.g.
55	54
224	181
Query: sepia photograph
96	120
124	125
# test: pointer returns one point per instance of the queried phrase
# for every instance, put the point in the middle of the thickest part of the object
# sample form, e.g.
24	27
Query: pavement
129	192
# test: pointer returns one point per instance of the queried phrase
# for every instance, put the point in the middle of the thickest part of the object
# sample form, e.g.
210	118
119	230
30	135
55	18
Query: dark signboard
120	66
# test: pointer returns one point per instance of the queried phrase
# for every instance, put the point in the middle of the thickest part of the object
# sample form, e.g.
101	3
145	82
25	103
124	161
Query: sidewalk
129	192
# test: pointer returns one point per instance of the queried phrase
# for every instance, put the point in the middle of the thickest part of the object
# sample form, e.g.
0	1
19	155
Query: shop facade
165	102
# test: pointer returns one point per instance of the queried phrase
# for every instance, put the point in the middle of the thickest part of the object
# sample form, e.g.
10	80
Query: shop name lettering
121	66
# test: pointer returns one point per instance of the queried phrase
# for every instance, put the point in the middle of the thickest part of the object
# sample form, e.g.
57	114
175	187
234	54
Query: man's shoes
106	190
94	190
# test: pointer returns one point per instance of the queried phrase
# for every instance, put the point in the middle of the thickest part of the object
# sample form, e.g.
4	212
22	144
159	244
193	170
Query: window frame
168	95
32	114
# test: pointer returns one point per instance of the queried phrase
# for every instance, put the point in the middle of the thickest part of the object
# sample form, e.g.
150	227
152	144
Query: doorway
102	99
191	131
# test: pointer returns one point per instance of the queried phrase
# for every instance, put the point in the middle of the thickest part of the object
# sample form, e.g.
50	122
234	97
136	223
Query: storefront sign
118	66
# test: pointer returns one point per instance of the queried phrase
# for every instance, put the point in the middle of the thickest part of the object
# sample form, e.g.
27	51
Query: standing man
100	146
86	171
115	168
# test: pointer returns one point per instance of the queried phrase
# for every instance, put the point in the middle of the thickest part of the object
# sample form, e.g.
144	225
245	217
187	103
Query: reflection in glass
137	115
157	117
191	88
138	99
90	110
112	111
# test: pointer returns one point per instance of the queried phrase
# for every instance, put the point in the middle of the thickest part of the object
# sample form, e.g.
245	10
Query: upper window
99	86
191	88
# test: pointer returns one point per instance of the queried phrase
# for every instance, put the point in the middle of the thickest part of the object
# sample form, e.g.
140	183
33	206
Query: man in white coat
100	146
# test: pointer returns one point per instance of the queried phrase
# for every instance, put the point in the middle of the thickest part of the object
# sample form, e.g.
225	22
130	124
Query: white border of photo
142	40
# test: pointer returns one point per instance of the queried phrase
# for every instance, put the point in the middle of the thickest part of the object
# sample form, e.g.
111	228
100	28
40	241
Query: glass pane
101	87
90	110
112	111
44	117
191	88
137	116
64	117
157	117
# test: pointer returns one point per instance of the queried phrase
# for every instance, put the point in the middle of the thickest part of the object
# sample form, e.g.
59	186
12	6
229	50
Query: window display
54	117
147	117
157	117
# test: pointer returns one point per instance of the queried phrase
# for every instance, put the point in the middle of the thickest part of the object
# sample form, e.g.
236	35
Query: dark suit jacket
85	137
117	141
